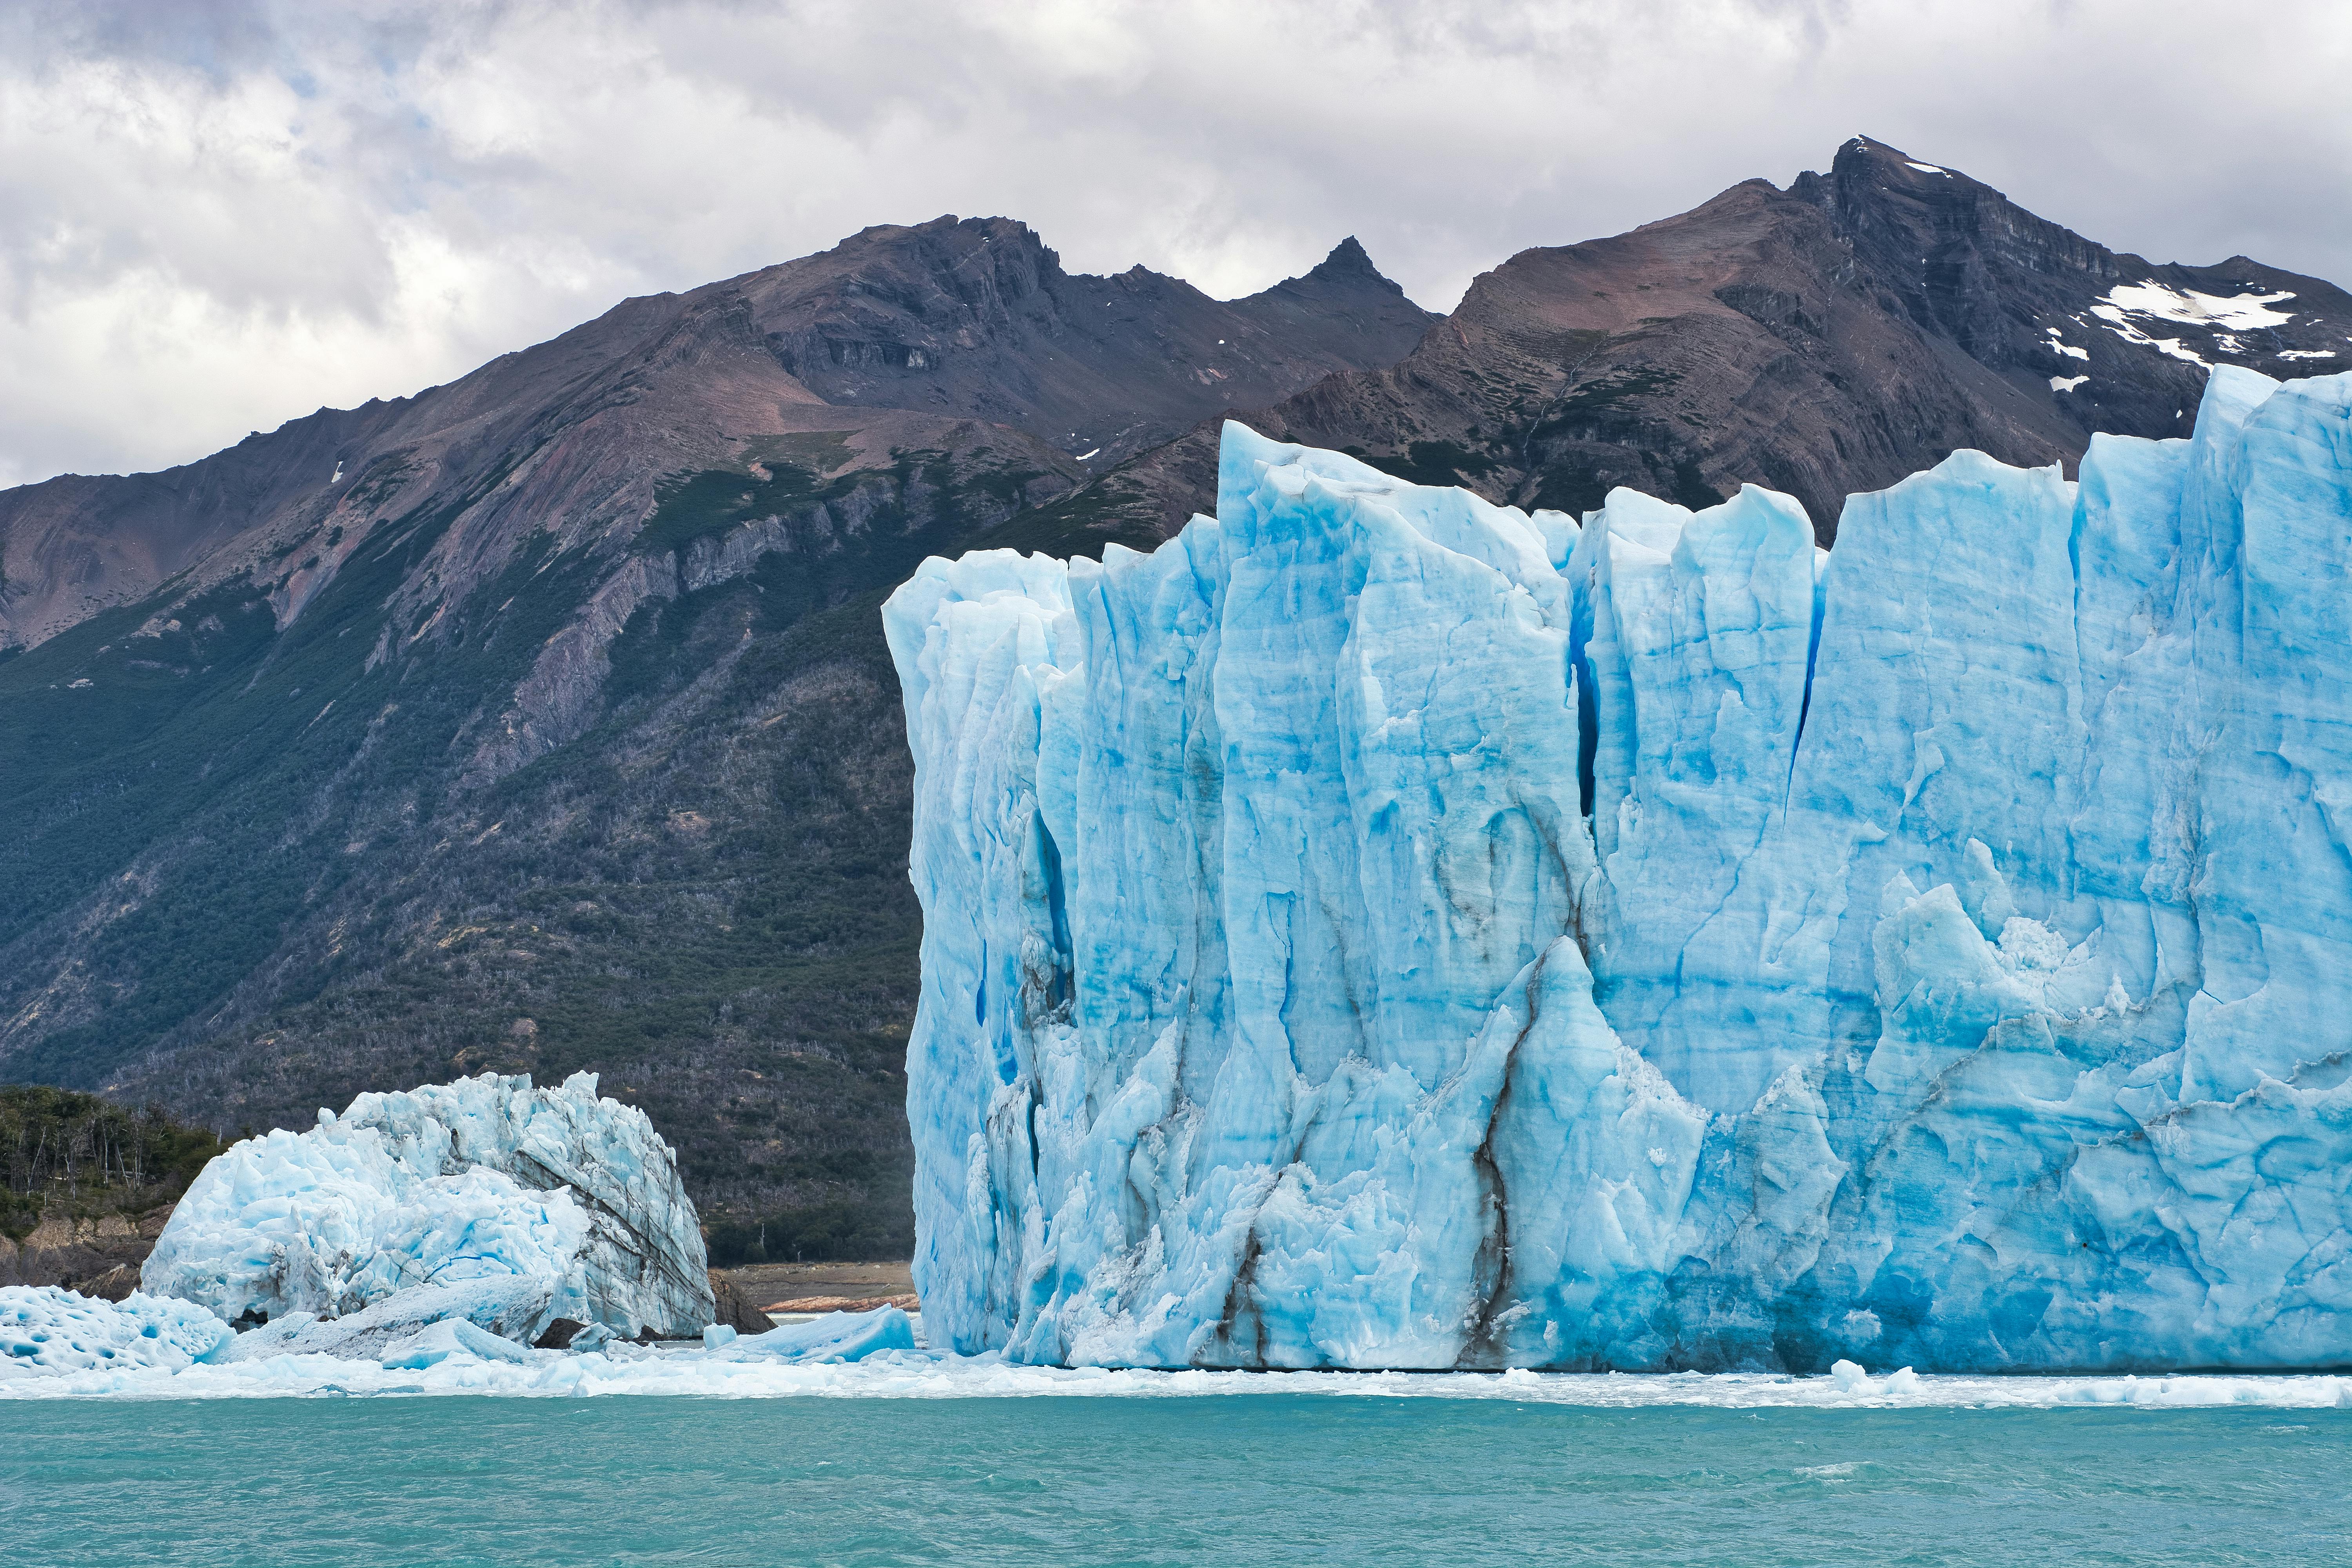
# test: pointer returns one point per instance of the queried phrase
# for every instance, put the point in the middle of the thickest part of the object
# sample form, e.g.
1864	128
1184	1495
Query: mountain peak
1348	272
1920	310
1865	166
1347	259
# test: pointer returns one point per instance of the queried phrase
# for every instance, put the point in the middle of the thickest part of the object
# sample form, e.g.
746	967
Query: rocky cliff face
542	721
97	1254
979	317
1822	340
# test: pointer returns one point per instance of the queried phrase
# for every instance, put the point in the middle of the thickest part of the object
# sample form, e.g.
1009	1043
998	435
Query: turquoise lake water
1281	1479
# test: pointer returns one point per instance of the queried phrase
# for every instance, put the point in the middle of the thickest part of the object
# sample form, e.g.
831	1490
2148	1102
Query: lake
1228	1478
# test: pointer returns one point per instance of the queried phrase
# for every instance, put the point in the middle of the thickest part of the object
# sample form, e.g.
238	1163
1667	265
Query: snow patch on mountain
2237	313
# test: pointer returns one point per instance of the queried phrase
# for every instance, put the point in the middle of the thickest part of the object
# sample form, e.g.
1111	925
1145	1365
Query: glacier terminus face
1381	929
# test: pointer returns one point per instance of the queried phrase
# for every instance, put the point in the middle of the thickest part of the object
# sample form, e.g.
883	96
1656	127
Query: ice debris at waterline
55	1342
45	1330
830	1337
483	1185
479	1312
628	1369
1380	929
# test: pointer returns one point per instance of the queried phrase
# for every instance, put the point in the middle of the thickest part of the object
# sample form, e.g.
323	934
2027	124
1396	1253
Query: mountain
542	721
978	318
971	318
1823	340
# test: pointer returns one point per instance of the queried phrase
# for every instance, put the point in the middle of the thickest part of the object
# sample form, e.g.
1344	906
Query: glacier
484	1200
1378	928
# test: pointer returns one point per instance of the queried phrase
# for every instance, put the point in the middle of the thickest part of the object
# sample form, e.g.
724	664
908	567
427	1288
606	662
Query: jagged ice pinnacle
1381	929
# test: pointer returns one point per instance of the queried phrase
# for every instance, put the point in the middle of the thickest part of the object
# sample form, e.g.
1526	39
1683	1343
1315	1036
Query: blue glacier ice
833	1337
529	1203
1381	929
45	1331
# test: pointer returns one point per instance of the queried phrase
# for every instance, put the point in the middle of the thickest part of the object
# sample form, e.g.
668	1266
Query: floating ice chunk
437	1342
45	1330
835	1337
485	1178
514	1307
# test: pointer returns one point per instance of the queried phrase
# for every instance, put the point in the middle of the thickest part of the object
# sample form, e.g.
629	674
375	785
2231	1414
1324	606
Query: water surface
1245	1478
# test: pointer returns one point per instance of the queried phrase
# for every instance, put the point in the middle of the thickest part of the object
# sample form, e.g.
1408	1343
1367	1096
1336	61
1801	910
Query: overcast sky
218	216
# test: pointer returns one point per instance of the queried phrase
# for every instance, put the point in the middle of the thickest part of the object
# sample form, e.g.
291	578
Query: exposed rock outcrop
94	1254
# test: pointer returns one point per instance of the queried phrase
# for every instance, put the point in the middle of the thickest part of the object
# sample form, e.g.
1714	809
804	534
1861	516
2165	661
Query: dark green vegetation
1432	463
1080	523
703	898
78	1156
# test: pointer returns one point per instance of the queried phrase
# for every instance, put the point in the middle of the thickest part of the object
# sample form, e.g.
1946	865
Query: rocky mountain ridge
896	333
1823	340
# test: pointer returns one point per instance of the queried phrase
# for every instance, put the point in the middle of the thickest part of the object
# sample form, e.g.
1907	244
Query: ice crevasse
1381	929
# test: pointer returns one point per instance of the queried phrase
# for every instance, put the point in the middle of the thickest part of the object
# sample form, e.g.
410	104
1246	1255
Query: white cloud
219	217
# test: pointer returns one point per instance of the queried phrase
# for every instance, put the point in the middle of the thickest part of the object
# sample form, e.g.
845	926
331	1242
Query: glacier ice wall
485	1180
1381	929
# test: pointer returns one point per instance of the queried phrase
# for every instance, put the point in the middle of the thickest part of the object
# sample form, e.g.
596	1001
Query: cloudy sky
215	216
